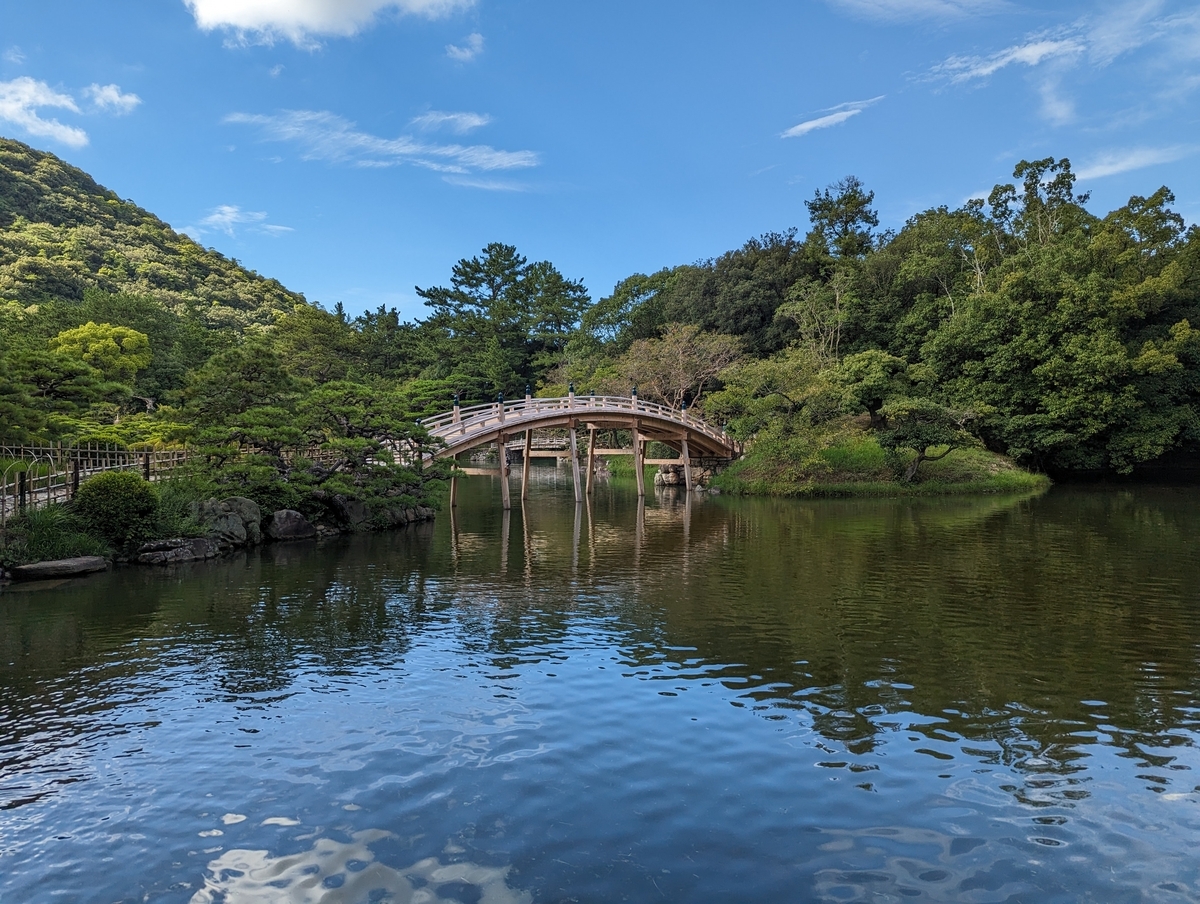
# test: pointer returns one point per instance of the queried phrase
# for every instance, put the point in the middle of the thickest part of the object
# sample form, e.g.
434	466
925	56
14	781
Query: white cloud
1031	53
325	136
474	47
109	97
301	20
1116	162
14	55
839	115
20	101
458	123
918	9
227	218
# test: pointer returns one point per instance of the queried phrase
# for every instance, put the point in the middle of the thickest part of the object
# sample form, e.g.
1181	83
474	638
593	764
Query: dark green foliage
842	218
500	322
119	506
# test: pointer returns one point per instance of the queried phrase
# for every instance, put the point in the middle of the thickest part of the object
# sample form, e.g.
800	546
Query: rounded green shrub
119	506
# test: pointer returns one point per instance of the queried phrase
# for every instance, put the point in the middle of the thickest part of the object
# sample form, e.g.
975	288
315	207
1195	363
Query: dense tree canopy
1062	338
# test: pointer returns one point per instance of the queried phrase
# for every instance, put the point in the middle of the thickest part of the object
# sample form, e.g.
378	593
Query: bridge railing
481	418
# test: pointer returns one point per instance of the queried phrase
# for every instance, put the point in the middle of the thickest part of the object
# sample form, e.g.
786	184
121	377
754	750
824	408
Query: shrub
119	506
177	499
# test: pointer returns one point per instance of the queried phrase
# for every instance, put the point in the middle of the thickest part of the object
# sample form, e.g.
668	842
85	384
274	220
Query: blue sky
356	148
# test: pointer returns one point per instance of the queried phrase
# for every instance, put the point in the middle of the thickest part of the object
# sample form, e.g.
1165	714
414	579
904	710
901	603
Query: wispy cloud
22	98
325	136
110	99
1031	53
836	116
890	10
458	123
302	21
1113	163
229	218
474	47
1166	32
14	55
485	184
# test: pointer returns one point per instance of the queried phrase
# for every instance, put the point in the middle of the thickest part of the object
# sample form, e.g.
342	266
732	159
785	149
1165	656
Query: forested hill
61	233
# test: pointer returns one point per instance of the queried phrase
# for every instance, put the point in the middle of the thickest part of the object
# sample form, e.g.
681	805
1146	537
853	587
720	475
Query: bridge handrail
475	418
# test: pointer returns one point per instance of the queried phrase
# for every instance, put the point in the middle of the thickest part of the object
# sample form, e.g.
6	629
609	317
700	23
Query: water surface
988	699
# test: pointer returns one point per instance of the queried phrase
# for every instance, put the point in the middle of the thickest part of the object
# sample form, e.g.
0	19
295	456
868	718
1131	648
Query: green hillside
61	233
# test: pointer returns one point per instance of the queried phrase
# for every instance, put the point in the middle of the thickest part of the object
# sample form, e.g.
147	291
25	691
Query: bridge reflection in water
464	429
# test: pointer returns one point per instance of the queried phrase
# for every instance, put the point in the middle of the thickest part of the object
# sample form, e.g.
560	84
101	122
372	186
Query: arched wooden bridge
497	423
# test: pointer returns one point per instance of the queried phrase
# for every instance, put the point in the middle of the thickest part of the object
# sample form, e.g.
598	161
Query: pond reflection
683	697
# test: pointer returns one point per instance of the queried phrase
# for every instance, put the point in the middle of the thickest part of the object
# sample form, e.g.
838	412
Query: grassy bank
846	461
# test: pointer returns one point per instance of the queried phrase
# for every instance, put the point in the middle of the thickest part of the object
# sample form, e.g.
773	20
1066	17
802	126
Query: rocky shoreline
231	524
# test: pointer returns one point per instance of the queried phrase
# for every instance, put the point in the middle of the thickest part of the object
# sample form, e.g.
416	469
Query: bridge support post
575	465
639	466
453	490
502	454
687	464
591	465
525	465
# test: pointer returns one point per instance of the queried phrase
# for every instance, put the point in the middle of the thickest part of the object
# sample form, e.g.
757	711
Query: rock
60	568
352	513
192	550
227	529
251	515
161	545
287	524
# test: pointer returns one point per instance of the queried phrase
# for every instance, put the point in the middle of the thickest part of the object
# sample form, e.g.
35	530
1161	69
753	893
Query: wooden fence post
146	466
21	491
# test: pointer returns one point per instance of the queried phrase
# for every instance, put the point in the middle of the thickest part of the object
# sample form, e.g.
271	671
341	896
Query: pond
704	699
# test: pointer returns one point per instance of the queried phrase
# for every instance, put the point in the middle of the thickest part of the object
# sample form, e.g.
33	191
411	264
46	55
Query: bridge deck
476	425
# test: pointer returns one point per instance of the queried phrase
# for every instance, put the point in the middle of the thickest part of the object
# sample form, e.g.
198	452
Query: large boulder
351	513
251	515
59	568
232	522
288	524
227	529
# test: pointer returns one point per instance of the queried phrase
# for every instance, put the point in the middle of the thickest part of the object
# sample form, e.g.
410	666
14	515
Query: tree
760	392
842	217
235	381
117	352
922	426
678	367
315	344
818	309
502	322
870	380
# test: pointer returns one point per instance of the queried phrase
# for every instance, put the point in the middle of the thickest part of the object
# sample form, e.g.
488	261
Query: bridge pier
575	465
502	454
687	464
639	456
525	464
591	465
